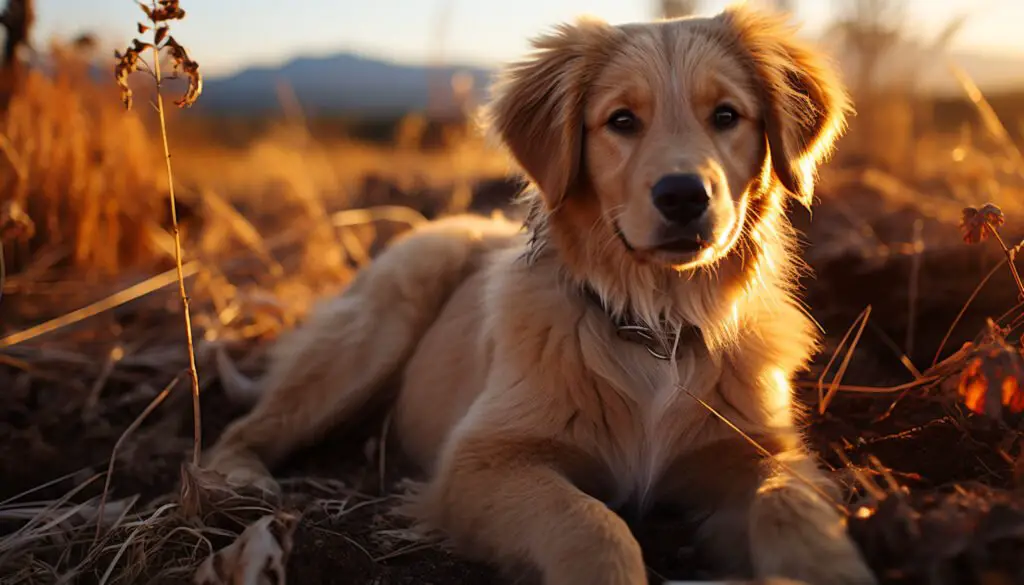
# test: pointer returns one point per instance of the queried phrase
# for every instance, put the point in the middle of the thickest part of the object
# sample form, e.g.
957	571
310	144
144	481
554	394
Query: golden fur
530	417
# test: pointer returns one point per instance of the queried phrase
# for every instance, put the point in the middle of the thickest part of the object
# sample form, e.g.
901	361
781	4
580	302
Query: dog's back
335	366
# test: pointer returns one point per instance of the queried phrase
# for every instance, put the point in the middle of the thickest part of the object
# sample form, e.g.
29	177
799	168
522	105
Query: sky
228	35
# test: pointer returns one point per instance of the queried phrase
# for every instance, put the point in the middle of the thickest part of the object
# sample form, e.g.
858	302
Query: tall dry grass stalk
159	14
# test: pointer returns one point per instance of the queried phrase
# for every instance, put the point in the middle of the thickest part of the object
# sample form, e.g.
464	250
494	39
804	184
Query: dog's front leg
783	508
797	529
513	501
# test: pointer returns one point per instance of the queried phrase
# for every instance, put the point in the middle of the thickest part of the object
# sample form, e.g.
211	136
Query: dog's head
669	136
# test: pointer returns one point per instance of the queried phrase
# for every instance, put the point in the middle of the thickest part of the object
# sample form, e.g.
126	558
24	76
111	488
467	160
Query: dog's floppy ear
537	111
804	101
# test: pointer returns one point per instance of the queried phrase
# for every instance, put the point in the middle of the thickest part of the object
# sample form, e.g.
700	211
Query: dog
630	344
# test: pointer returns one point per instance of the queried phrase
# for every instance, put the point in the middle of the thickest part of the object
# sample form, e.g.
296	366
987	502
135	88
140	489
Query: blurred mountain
347	83
339	84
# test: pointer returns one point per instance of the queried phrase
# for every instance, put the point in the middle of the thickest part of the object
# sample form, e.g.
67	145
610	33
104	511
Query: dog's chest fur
649	410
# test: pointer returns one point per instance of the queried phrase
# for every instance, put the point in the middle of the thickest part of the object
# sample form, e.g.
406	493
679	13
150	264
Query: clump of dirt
971	534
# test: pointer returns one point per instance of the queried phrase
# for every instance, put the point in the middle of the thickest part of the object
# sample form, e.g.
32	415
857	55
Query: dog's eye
624	122
725	117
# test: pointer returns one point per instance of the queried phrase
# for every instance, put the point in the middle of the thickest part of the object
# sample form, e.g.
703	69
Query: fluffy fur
531	418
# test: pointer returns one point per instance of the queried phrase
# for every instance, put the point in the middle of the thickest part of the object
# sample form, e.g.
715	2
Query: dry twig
825	398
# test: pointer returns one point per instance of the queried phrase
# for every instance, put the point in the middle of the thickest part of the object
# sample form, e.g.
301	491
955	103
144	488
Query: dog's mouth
622	237
690	244
683	245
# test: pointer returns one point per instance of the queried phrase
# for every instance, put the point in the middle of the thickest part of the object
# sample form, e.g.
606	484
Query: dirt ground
957	515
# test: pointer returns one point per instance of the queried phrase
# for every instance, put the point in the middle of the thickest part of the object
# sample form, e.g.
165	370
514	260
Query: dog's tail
329	370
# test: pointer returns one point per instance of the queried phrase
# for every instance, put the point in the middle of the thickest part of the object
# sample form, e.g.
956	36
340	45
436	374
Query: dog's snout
680	198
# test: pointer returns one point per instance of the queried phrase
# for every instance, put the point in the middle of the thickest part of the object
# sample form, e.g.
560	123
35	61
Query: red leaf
977	223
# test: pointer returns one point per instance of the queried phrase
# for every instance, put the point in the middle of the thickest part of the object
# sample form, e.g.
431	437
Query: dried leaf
161	34
258	557
127	63
993	381
142	28
166	10
140	47
190	68
974	388
977	223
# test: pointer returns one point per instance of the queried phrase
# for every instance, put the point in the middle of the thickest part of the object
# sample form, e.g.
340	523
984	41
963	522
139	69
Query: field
915	402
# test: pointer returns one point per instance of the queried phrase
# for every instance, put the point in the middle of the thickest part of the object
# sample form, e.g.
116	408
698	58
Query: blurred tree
784	5
885	66
17	18
864	36
869	28
677	8
438	101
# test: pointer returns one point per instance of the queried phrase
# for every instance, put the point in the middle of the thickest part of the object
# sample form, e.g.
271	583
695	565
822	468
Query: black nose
680	198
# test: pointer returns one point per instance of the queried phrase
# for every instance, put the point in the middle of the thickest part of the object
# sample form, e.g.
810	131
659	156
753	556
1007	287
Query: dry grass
83	171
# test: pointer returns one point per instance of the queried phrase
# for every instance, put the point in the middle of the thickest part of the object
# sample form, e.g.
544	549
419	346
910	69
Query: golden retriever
614	353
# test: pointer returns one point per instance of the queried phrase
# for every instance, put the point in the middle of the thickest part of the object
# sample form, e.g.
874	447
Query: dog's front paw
797	535
242	470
